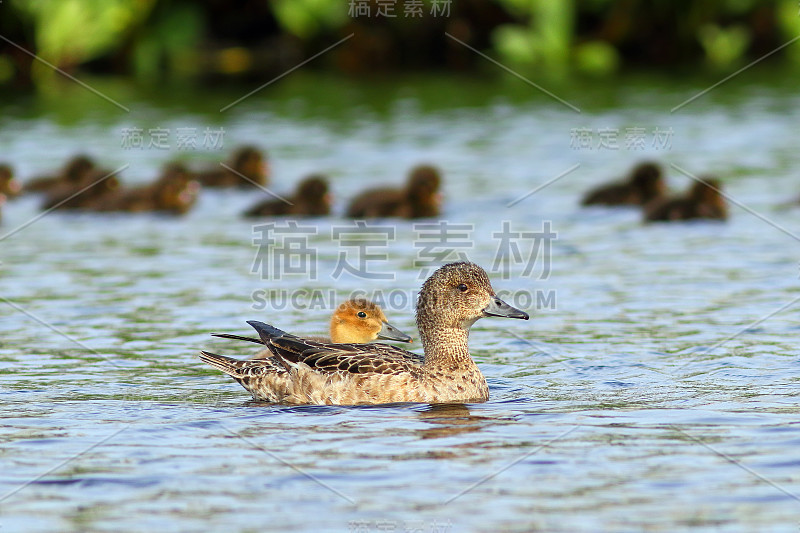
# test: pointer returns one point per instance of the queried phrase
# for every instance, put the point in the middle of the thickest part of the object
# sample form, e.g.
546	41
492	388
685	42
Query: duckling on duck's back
355	321
309	372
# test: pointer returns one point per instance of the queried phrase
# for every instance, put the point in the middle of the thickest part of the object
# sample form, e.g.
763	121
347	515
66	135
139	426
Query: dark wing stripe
237	337
267	332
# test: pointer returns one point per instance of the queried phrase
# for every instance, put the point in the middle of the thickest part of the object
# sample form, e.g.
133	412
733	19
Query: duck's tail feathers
228	365
237	337
267	332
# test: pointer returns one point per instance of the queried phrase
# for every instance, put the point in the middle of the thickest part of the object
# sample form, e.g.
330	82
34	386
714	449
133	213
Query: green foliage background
154	38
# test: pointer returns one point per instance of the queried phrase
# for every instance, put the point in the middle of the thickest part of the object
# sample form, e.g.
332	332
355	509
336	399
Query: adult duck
303	371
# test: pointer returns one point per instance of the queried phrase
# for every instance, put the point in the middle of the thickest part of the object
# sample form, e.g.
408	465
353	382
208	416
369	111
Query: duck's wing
325	357
370	358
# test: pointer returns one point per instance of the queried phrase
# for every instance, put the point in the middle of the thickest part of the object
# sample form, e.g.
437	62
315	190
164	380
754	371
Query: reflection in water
449	419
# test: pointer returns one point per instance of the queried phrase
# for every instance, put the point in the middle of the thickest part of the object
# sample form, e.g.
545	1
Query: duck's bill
390	333
498	307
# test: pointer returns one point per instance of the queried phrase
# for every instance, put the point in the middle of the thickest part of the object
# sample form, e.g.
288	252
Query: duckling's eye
361	314
462	287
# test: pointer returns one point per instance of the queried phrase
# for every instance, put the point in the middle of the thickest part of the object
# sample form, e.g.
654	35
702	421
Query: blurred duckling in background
174	192
311	198
92	188
356	321
9	186
703	200
644	184
419	199
249	165
74	171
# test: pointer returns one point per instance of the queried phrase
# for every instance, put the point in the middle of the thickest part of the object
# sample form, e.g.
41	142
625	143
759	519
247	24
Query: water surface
657	392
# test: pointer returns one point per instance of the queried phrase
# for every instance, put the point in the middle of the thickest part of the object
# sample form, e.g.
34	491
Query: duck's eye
462	287
361	314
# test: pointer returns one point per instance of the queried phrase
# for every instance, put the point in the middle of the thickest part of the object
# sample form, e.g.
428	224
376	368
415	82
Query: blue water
654	388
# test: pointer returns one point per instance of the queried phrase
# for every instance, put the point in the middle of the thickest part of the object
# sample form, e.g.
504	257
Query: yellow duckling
304	371
355	321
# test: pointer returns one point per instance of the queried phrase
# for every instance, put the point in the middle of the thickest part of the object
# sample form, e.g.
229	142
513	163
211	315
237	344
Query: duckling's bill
498	307
390	333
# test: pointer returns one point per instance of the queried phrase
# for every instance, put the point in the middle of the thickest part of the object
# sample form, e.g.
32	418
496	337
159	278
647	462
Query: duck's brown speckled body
309	372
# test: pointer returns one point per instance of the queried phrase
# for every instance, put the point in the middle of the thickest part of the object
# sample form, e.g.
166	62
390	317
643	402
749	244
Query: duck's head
175	190
77	168
8	185
457	295
648	178
424	182
359	321
314	190
251	162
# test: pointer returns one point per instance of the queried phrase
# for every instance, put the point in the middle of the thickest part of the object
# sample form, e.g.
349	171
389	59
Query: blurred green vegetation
258	39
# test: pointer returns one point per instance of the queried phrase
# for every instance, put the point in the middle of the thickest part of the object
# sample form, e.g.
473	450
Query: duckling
355	321
2	203
173	192
9	186
644	184
419	199
311	198
75	171
303	371
247	161
703	200
90	190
